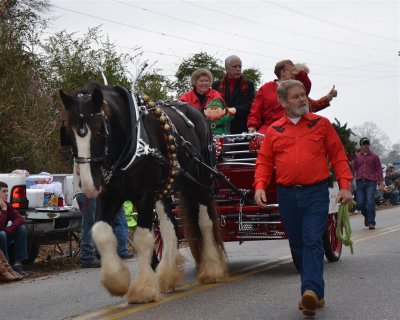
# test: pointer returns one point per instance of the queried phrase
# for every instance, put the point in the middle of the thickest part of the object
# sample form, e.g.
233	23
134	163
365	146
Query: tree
186	68
253	75
32	71
393	155
25	100
380	142
156	86
71	63
345	135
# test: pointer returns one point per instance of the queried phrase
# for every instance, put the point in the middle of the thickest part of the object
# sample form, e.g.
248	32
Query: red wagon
240	218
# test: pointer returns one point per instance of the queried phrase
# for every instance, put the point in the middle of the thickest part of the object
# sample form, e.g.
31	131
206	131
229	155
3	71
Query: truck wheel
33	252
332	244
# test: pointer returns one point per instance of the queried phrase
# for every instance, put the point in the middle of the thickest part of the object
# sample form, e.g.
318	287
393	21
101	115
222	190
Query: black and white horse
126	152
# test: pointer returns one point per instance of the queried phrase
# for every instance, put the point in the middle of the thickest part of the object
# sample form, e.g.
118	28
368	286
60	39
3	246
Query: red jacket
191	98
266	108
10	215
301	153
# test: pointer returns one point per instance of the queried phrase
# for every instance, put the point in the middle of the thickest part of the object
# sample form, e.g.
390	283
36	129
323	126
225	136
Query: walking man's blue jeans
88	211
305	218
365	197
121	232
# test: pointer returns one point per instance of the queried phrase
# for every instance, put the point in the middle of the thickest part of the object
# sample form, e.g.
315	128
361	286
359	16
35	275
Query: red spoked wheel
332	244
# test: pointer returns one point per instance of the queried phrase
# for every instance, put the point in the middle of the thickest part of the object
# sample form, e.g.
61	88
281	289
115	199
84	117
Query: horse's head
88	125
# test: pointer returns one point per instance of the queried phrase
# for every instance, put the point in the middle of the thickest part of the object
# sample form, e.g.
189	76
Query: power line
163	33
329	22
283	29
190	40
236	34
185	39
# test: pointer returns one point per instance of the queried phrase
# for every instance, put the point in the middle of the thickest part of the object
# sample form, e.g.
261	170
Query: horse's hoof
209	274
116	281
143	296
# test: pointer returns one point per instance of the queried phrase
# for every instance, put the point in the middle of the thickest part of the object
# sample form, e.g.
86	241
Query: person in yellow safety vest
130	213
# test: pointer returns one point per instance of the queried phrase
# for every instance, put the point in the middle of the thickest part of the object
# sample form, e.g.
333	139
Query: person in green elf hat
218	116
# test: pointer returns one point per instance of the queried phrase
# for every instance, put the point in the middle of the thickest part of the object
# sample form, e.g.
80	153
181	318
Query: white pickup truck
45	225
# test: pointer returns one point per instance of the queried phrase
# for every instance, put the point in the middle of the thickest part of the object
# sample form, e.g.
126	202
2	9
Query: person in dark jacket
12	230
237	93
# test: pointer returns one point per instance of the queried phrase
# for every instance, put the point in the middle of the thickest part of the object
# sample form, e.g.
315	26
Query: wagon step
272	215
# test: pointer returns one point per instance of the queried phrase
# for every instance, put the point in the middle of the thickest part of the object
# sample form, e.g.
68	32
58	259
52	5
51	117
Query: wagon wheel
332	244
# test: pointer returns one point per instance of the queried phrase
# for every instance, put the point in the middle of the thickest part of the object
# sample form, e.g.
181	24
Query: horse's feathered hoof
170	275
212	273
143	293
116	279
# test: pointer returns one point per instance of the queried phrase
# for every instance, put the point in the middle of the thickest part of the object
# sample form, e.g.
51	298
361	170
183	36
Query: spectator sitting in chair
12	231
392	182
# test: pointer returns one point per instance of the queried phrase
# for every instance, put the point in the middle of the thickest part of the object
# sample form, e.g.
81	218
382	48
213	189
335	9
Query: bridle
82	131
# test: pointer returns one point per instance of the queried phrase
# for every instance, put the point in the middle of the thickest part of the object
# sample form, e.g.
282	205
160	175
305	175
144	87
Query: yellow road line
196	287
235	276
189	292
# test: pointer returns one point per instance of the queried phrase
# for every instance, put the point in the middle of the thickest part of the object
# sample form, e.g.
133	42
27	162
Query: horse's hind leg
169	271
212	266
115	274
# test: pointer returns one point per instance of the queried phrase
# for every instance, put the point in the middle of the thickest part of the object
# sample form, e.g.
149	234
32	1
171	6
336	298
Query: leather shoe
321	304
127	255
92	264
371	226
18	269
309	301
365	222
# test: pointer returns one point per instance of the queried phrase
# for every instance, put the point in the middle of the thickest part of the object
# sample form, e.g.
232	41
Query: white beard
301	111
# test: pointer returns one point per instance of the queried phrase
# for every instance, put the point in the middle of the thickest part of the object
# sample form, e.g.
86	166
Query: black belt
303	186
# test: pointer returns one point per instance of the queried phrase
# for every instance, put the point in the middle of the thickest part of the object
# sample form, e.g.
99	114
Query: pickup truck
45	226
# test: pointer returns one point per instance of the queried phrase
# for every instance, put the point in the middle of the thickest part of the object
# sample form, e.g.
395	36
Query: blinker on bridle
83	130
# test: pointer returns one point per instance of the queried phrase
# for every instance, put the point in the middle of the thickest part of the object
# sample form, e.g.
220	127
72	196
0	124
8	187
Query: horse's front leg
115	275
145	287
170	270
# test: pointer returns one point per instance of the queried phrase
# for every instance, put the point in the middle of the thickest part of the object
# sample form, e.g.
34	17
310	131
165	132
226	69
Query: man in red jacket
12	229
300	146
266	108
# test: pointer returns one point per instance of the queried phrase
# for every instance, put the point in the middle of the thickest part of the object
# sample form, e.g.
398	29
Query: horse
126	151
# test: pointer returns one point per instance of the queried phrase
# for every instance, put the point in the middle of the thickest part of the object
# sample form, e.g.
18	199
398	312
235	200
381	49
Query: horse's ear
97	99
66	100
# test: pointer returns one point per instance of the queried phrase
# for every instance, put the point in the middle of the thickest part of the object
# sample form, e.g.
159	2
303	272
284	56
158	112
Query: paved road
263	285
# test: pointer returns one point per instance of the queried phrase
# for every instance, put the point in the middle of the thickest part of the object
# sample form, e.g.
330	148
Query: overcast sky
353	45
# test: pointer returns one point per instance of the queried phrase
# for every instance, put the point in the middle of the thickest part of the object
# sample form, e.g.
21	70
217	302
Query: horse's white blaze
213	266
145	287
83	148
169	271
115	275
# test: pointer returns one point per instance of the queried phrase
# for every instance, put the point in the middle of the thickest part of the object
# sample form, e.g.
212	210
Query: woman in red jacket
202	92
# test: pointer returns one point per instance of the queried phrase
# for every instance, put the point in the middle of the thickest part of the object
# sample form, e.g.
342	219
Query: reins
343	222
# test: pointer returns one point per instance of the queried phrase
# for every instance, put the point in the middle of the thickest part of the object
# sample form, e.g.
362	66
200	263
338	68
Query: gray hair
229	59
284	87
200	72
